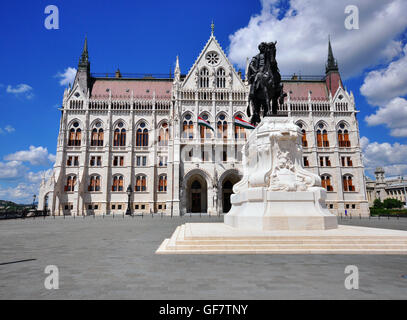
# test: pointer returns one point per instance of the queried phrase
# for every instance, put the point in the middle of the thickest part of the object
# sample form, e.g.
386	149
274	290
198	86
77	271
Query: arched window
142	135
75	135
94	183
141	183
119	137
70	183
188	127
304	138
162	183
117	183
97	138
322	136
163	136
222	127
205	132
100	137
204	78
78	137
347	183
343	137
240	132
221	78
326	182
71	139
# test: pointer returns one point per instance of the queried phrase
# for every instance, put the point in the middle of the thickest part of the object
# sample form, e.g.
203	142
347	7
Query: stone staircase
218	238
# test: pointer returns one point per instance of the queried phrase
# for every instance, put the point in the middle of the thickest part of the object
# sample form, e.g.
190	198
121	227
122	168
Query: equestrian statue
266	89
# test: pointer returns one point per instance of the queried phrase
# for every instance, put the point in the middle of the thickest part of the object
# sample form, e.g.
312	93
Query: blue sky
145	37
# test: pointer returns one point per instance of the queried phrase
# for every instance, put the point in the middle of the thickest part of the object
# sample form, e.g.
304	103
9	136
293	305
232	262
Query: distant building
383	188
153	134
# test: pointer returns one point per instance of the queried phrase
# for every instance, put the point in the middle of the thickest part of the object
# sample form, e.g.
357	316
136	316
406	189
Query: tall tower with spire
83	73
332	76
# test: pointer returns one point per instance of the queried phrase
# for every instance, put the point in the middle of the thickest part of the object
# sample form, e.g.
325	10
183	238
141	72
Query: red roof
299	90
122	88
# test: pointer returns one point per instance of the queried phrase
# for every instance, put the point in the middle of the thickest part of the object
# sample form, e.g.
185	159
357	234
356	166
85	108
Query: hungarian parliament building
173	144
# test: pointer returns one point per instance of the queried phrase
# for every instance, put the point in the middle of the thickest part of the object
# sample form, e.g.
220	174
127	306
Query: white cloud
380	86
35	156
393	115
23	192
68	76
12	170
9	129
392	157
21	90
303	31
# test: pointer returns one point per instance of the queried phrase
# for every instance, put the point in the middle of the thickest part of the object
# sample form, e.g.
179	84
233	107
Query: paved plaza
106	258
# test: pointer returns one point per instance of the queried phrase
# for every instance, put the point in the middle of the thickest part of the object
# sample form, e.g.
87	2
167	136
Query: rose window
212	58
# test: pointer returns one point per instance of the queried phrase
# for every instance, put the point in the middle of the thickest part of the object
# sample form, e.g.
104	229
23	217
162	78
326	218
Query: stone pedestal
279	208
276	192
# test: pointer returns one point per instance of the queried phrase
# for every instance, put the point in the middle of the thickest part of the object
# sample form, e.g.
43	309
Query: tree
378	204
392	203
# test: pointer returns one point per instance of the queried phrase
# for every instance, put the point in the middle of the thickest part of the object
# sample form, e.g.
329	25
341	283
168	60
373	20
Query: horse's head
271	47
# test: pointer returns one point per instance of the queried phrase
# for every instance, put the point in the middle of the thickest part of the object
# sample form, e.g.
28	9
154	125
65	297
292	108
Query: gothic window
74	138
141	183
162	183
117	183
188	127
240	132
142	135
347	183
205	132
304	138
163	136
204	78
119	137
94	183
343	137
221	78
70	183
322	136
222	127
326	182
96	137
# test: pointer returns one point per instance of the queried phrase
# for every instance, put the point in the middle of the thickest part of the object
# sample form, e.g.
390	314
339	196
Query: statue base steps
259	209
219	238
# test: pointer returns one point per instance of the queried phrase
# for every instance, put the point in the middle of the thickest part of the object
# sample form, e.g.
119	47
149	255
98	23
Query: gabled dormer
212	69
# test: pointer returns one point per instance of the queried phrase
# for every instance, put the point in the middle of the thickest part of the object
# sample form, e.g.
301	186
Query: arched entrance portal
197	194
227	190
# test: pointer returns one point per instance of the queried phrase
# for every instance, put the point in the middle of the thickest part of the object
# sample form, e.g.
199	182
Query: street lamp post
128	191
34	196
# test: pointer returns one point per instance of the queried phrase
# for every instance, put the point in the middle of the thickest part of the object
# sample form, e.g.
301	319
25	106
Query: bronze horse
266	91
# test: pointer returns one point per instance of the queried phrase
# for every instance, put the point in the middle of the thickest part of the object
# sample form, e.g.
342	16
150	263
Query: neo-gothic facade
142	133
386	188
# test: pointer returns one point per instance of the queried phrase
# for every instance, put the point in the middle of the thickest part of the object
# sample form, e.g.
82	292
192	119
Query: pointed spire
212	28
85	56
177	71
332	64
